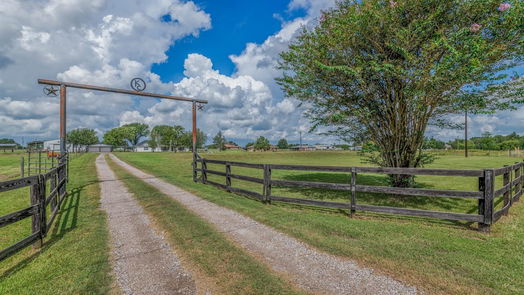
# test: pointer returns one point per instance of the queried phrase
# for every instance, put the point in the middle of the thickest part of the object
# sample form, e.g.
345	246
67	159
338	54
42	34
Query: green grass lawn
9	165
217	263
14	200
74	259
439	256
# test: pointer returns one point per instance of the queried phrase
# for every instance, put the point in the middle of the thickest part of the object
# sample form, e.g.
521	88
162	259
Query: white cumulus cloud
87	41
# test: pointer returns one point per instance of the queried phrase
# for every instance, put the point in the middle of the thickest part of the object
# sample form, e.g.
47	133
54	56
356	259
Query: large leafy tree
135	131
187	139
160	137
262	143
219	140
282	144
383	70
116	137
82	137
167	137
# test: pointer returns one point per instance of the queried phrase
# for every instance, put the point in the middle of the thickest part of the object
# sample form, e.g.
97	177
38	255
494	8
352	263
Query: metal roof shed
100	148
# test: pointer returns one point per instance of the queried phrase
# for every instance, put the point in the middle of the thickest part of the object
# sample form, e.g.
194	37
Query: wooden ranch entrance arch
63	102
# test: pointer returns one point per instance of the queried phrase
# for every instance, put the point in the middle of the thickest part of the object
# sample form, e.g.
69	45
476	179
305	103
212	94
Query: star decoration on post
51	91
200	106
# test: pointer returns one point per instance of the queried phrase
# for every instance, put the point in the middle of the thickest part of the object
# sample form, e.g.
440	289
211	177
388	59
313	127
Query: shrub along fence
485	195
40	198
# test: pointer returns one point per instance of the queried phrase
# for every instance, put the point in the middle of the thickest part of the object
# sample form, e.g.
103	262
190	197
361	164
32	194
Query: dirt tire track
143	262
307	267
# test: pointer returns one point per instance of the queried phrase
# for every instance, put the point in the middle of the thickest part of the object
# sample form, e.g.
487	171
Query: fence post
228	177
518	186
61	186
51	189
507	195
36	219
353	201
194	167
204	171
521	184
29	163
42	207
39	162
67	167
22	167
486	206
267	183
515	189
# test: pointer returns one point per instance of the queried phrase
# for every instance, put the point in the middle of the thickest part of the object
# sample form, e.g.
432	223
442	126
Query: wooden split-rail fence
46	190
486	194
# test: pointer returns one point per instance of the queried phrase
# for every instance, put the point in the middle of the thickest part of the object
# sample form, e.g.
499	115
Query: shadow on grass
65	221
378	199
380	217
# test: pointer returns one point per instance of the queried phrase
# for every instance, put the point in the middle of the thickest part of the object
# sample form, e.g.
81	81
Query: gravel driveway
143	262
307	267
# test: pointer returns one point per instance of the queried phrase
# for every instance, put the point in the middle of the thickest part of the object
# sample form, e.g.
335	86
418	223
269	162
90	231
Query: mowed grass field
10	165
74	259
441	257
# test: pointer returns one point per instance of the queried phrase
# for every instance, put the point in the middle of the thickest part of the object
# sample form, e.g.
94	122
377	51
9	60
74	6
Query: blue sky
235	23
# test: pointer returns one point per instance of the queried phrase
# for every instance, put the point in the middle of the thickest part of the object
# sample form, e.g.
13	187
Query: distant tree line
491	142
126	135
262	143
81	137
486	141
171	138
165	137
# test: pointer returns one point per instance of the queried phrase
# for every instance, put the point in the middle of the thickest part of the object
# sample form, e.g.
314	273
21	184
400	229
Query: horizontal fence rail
40	199
485	196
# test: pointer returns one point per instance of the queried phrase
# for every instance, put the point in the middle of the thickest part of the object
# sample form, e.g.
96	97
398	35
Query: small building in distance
100	148
272	148
35	146
143	147
303	148
229	146
8	147
324	147
54	146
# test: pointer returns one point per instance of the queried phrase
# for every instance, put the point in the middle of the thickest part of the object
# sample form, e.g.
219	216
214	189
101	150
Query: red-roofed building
229	146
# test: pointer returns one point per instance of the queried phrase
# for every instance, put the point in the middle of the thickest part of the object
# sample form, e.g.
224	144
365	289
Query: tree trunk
400	134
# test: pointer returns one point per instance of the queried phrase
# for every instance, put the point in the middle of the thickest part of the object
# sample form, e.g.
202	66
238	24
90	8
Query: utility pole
466	133
300	146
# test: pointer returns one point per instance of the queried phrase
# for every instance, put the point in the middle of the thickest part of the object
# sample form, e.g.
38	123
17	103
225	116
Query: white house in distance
324	147
144	147
54	146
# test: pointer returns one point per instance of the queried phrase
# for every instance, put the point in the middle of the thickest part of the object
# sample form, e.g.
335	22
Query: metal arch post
63	86
194	128
194	141
63	117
